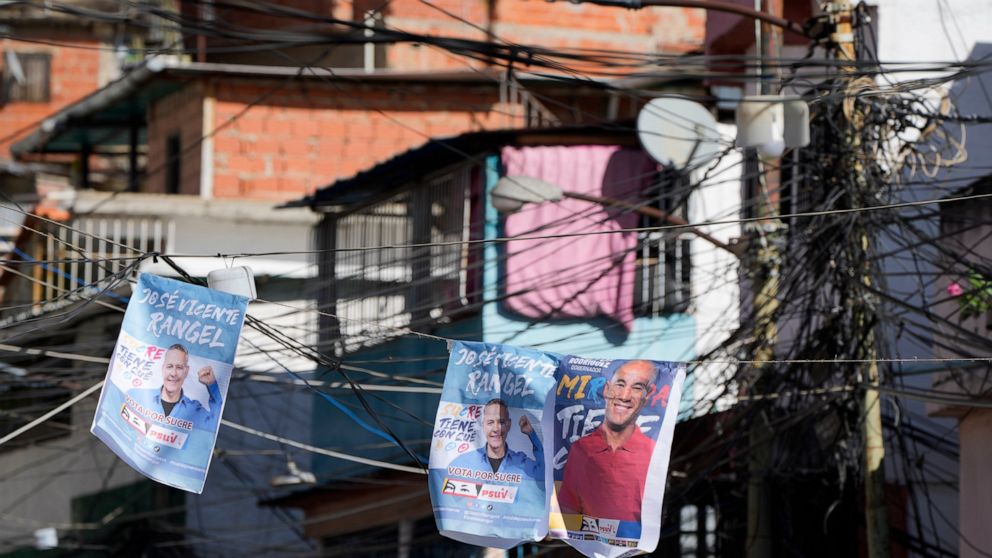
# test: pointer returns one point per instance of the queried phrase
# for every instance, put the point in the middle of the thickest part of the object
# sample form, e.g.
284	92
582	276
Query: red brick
270	184
303	126
226	186
277	127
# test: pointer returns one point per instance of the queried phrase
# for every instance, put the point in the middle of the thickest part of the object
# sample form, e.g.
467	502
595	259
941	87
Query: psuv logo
609	527
498	493
590	524
465	489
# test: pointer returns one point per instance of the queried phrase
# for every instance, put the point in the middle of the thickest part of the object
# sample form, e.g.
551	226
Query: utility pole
764	261
765	268
876	515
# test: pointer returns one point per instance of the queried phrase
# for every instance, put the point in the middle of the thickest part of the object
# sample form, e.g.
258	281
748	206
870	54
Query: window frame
668	251
406	277
30	91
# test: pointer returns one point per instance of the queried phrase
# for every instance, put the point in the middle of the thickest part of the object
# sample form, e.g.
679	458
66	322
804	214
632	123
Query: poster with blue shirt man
496	454
163	398
487	465
172	402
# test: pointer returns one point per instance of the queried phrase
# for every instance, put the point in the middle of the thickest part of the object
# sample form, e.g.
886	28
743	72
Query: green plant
977	298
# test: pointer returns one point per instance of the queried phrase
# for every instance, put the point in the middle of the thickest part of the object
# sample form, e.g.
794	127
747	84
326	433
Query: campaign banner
167	382
612	425
487	476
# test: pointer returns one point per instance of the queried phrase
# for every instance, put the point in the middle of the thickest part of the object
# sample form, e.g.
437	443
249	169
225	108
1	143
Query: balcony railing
88	251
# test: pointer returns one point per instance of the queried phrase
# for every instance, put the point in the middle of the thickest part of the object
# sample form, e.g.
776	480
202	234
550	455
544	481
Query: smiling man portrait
606	470
496	455
171	401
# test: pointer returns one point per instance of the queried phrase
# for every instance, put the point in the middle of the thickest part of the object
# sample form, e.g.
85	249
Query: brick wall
534	22
178	114
75	72
243	21
282	141
305	138
548	24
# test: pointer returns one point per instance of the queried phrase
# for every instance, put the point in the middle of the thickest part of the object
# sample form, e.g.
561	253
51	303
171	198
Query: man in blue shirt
170	399
496	456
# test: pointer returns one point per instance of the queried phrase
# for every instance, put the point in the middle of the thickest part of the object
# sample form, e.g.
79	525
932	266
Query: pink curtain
583	276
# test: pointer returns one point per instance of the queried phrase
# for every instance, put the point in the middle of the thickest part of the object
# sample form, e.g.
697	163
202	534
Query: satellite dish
678	132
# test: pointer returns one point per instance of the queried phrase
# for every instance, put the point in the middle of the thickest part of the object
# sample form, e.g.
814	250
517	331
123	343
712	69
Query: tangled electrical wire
839	304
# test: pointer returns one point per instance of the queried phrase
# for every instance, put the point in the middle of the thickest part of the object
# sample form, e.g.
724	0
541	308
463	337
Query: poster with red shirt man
613	425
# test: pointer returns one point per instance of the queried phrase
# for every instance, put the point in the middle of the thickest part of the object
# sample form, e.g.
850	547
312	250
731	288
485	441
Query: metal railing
521	109
84	254
380	290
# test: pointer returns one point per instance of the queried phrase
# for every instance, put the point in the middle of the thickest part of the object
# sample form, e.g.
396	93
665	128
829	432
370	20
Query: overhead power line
322	451
79	397
504	239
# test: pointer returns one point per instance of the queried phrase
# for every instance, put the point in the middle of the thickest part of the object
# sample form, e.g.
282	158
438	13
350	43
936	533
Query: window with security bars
663	264
697	531
27	77
421	276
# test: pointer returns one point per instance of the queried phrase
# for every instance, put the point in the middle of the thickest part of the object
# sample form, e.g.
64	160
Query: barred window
404	286
663	264
698	531
27	77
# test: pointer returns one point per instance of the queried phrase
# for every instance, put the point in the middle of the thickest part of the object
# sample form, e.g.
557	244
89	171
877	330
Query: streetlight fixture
293	477
512	192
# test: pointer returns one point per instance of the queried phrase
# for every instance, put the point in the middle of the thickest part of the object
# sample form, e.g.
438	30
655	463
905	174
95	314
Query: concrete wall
207	227
228	511
715	285
39	482
924	31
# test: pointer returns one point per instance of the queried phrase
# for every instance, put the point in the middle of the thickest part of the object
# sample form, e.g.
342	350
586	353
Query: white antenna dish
678	132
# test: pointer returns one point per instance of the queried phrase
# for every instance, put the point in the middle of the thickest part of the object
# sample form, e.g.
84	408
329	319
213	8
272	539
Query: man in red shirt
606	469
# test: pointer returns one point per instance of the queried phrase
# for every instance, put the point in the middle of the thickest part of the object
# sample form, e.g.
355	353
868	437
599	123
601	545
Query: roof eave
99	99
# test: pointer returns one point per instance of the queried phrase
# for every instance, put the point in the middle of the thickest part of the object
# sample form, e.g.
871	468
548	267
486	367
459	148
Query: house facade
157	138
414	251
960	304
918	319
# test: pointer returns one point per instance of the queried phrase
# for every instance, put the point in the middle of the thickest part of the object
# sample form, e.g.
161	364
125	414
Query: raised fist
525	426
206	376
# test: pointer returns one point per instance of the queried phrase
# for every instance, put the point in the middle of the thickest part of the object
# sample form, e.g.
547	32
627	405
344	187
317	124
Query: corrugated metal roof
412	165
